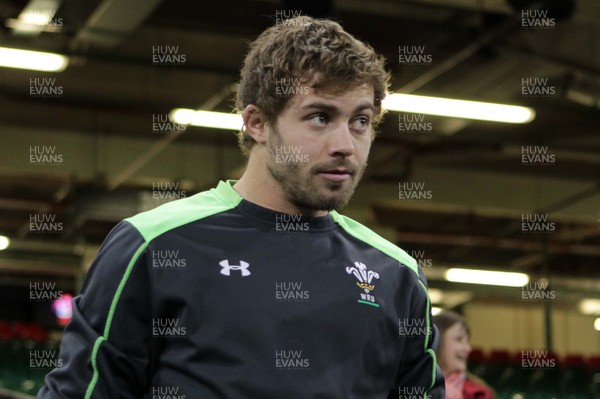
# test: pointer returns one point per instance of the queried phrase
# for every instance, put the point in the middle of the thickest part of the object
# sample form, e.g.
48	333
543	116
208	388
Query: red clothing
459	386
474	390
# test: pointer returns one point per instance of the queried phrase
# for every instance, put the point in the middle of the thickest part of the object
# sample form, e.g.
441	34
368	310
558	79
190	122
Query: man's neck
259	187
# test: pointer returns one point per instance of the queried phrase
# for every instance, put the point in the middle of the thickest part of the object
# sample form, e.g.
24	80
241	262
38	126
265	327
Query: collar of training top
283	222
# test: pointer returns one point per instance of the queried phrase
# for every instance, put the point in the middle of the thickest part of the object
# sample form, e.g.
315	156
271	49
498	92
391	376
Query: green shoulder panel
368	236
171	215
155	222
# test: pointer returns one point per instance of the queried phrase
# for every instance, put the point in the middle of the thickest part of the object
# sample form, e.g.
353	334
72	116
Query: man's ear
255	123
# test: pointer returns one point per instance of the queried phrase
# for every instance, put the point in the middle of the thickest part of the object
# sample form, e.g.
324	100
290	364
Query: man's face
319	145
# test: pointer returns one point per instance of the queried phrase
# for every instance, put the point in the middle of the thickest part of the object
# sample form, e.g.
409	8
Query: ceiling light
590	306
35	18
218	120
472	276
458	108
34	60
4	242
597	324
435	310
393	102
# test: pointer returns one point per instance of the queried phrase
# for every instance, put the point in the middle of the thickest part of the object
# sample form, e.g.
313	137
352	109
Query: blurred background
96	140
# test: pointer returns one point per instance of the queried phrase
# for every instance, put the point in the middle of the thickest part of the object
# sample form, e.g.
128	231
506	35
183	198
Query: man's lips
336	175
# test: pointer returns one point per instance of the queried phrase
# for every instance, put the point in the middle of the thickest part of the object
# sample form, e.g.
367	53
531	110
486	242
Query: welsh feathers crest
363	276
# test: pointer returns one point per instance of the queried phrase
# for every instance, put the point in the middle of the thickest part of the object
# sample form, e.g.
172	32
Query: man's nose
341	141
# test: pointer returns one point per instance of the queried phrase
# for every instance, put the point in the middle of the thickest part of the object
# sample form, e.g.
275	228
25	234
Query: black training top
214	297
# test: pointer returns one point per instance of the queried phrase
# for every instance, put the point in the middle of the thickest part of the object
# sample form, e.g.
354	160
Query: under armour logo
227	268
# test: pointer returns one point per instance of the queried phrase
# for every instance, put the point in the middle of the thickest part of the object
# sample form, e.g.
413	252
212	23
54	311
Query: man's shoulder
368	236
182	211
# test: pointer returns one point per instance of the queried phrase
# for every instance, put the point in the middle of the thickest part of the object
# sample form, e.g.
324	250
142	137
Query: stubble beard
304	188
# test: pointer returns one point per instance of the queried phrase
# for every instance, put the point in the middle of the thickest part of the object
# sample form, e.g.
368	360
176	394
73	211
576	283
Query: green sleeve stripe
426	349
155	222
90	388
427	310
171	215
367	235
434	369
115	301
109	319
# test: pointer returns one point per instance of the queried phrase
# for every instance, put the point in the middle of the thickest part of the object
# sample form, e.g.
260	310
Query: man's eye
361	123
318	120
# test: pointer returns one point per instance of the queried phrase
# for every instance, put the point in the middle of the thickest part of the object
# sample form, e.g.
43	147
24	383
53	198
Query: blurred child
452	355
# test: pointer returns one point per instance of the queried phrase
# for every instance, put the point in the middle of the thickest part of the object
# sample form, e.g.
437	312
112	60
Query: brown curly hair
314	52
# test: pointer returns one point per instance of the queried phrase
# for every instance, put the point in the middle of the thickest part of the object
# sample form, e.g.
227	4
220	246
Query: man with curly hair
279	295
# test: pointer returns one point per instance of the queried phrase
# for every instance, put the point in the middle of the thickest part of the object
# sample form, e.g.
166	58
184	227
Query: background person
452	355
